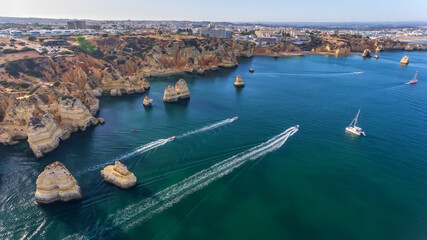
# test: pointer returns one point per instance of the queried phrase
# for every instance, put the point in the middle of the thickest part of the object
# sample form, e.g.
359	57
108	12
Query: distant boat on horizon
414	80
353	128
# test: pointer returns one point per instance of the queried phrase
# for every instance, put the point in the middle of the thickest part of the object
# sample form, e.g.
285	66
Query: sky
222	10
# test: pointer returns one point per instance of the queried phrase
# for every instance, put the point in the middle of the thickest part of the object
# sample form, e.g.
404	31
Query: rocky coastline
44	99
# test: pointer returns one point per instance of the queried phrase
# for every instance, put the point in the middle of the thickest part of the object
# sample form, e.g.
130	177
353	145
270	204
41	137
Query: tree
31	38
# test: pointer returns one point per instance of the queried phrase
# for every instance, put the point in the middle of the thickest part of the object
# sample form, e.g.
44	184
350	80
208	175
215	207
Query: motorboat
234	119
353	128
171	138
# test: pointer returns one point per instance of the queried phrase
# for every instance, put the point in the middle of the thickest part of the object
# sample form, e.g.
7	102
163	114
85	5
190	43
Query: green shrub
32	38
56	84
88	47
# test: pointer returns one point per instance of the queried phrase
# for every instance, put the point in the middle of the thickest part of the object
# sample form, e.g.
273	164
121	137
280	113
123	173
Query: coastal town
213	120
260	34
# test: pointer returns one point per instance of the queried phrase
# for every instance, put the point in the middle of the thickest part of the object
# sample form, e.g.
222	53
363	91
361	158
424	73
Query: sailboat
353	128
414	80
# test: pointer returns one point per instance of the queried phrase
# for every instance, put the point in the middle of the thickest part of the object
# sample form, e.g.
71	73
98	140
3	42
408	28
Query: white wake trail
144	148
145	209
209	127
155	144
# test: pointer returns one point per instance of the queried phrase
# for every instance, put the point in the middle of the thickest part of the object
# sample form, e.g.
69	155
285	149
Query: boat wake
145	209
158	143
209	127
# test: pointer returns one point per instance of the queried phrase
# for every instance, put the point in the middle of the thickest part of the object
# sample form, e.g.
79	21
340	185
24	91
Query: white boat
353	128
414	80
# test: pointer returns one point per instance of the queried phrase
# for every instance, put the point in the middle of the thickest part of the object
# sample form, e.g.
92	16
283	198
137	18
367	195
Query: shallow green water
321	184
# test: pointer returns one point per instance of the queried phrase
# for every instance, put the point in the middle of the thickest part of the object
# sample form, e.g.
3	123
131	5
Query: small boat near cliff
414	80
353	128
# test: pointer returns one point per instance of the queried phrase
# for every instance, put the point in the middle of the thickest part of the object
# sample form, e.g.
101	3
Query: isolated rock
367	53
239	82
405	60
182	89
174	93
119	175
376	56
56	183
147	102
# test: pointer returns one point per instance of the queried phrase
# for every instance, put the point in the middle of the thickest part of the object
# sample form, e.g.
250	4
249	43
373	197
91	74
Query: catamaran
353	128
414	80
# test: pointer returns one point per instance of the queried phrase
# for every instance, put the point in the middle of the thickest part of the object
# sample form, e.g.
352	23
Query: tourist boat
353	128
234	119
171	138
414	80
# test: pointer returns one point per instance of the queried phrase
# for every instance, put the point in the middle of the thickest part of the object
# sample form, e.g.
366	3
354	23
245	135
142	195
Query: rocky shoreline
44	99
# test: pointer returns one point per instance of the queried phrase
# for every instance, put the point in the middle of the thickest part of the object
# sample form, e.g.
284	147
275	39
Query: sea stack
239	82
376	56
405	60
119	175
56	183
367	53
182	89
147	102
251	70
174	93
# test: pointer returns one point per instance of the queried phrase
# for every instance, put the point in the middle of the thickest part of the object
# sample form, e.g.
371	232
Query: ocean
250	178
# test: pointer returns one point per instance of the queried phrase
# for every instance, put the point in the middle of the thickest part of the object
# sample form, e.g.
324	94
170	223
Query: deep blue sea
244	179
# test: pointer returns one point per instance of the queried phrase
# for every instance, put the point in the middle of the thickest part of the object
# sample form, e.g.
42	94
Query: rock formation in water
338	45
147	102
405	60
376	56
56	183
170	94
367	53
174	93
47	115
119	175
239	82
181	89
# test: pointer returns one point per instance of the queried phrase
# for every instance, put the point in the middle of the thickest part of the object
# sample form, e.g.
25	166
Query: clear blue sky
222	10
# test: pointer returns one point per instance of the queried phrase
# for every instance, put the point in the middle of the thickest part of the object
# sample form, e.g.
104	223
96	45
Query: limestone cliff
56	183
119	175
45	116
44	134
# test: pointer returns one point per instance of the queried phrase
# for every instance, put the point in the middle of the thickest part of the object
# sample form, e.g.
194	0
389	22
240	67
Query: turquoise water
321	184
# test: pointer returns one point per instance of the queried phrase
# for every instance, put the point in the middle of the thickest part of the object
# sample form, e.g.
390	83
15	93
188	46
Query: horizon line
234	22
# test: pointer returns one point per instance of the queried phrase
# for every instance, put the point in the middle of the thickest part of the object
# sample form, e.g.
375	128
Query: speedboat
171	138
414	80
353	128
297	126
234	119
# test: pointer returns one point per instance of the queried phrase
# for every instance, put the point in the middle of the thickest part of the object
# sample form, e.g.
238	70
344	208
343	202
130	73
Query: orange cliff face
62	90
